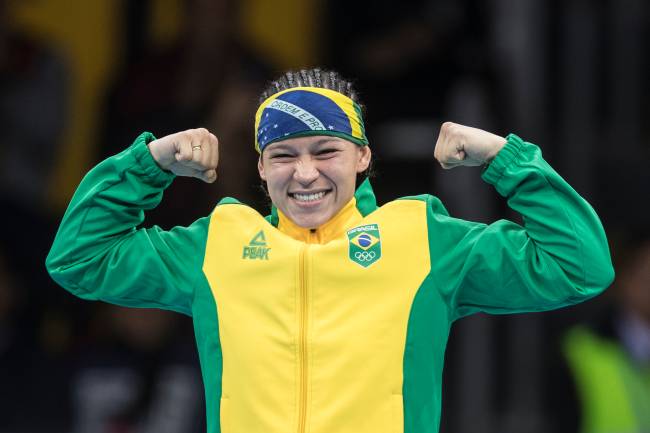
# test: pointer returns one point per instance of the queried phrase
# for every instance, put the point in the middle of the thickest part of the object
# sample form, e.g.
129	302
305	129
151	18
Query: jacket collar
359	206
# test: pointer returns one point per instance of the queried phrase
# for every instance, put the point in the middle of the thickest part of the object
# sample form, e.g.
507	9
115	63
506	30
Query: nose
305	171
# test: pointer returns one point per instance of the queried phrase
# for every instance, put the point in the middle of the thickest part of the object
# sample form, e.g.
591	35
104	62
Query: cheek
344	176
277	177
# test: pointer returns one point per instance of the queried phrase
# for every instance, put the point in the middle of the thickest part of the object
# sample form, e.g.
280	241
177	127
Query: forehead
307	143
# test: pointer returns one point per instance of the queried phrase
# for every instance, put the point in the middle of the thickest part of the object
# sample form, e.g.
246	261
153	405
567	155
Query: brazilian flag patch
364	244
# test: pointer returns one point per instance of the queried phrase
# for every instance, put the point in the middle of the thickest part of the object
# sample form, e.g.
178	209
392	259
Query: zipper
302	273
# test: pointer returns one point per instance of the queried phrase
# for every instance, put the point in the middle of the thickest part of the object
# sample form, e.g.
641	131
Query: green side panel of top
426	340
206	331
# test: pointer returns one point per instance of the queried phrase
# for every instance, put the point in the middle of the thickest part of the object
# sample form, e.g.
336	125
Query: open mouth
308	197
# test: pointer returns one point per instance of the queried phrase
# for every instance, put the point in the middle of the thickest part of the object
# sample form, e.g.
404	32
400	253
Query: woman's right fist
192	153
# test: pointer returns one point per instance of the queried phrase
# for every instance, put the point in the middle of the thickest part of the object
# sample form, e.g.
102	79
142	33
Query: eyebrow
279	146
326	140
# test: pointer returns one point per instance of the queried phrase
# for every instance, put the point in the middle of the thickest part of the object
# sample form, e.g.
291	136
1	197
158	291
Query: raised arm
559	257
100	254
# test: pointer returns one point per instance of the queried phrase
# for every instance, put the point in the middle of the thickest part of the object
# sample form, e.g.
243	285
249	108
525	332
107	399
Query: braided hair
311	78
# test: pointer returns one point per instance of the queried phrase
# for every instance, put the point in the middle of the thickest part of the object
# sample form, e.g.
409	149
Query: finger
440	144
183	150
207	152
447	165
205	148
214	156
453	156
191	155
208	176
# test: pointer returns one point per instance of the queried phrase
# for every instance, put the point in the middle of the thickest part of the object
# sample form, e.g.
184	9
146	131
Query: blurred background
79	80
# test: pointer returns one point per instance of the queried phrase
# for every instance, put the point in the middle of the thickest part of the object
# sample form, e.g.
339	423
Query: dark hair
313	78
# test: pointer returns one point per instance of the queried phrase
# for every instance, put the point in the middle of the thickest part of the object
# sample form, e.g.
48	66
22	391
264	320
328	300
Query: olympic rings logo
365	256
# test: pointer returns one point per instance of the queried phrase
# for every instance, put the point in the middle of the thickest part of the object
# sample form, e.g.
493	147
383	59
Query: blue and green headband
308	111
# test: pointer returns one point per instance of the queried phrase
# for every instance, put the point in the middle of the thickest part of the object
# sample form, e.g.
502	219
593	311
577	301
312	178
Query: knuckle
446	126
185	138
202	131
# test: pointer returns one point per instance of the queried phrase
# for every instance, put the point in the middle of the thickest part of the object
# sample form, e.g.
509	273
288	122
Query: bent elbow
601	269
597	269
605	278
62	271
598	277
54	267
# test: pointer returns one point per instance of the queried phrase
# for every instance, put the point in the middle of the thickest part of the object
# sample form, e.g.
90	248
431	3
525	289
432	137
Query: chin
310	222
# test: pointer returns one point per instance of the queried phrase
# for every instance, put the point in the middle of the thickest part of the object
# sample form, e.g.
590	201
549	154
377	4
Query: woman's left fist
460	145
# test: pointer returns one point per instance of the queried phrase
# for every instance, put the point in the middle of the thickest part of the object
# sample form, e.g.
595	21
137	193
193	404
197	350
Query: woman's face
311	178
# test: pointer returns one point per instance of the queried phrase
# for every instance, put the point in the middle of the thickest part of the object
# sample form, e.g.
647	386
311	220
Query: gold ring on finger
196	147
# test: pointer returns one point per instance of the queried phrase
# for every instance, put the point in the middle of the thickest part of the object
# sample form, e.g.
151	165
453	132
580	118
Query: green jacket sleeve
100	254
559	257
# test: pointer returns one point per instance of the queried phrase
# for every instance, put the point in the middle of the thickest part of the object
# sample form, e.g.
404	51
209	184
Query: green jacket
342	329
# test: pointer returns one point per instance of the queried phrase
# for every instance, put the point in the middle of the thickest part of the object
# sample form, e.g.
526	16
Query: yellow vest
614	392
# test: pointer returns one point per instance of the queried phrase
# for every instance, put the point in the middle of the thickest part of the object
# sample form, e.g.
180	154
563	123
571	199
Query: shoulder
229	208
430	210
406	213
430	204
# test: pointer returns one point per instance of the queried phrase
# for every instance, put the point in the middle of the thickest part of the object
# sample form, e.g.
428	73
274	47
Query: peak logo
256	248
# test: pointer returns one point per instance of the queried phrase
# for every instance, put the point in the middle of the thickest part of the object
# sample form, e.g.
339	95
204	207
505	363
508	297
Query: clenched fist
192	153
460	145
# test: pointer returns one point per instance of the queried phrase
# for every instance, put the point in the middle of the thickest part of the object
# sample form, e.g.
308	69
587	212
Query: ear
260	168
364	158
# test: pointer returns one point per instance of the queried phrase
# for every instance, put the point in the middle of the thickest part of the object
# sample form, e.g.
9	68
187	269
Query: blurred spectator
407	59
206	79
33	109
138	373
608	359
13	350
33	374
33	104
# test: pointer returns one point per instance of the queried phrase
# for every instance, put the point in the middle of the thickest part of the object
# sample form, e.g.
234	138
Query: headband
308	111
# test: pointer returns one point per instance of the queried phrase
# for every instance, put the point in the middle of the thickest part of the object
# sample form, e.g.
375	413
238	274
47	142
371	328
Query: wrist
145	165
158	155
497	146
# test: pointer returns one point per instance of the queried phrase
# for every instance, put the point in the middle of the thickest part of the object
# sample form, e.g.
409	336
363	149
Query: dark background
80	80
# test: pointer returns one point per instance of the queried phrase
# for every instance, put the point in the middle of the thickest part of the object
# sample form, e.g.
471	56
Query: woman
331	314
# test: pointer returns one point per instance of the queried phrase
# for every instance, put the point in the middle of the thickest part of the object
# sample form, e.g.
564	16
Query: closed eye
326	152
280	155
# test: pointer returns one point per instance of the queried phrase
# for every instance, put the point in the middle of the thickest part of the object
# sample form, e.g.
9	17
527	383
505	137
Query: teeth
309	197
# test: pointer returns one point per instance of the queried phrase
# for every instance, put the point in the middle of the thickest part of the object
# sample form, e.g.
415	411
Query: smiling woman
309	179
312	144
331	314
